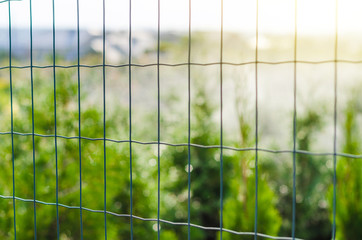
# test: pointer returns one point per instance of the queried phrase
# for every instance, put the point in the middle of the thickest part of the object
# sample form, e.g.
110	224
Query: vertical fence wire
335	126
104	120
12	119
189	129
79	127
55	123
294	119
130	114
221	116
158	119
32	112
256	119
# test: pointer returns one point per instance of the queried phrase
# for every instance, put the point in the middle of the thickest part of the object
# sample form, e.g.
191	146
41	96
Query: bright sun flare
275	16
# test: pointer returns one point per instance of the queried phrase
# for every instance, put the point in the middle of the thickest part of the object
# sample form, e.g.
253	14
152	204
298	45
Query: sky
275	16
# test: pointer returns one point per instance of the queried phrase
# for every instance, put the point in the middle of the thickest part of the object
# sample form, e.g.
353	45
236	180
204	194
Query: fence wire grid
131	141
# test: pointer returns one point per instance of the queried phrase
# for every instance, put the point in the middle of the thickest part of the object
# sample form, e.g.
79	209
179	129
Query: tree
68	164
312	181
205	169
239	211
349	177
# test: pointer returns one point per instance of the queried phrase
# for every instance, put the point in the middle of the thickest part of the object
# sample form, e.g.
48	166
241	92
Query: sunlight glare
275	16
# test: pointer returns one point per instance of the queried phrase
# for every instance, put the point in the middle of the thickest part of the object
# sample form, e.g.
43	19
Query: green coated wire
55	124
189	131
317	154
32	113
335	127
4	1
158	120
294	120
79	127
104	65
151	219
256	120
130	115
186	64
12	120
221	119
104	121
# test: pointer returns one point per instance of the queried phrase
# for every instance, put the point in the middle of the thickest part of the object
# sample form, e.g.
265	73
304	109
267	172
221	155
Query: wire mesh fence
92	171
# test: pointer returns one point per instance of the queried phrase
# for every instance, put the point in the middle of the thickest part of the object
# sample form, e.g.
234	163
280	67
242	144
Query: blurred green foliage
314	199
349	176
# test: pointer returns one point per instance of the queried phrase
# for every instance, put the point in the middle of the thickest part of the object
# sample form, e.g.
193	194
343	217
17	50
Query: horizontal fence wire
4	1
347	155
148	219
184	64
